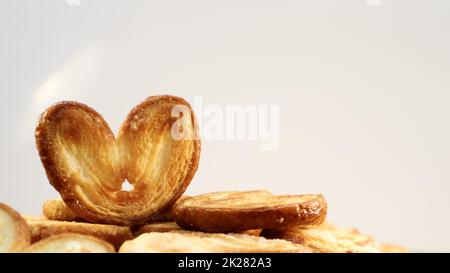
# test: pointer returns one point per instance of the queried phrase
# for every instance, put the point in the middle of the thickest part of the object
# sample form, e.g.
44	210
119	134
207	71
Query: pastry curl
157	151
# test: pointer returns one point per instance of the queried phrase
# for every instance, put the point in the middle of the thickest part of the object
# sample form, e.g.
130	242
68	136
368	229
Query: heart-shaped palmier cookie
157	151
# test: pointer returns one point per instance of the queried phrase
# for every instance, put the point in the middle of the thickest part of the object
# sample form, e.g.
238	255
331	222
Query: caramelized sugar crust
239	211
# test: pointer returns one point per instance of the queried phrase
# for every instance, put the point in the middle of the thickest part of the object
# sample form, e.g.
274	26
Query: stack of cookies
157	151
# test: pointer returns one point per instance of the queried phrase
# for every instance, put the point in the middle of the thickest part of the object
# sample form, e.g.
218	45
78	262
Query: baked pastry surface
199	242
238	211
70	243
116	235
390	248
56	209
327	239
157	227
14	231
157	151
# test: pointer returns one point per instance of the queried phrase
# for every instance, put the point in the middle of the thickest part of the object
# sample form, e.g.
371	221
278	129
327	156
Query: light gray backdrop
363	88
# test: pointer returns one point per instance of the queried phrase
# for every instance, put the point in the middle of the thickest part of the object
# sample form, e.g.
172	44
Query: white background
364	95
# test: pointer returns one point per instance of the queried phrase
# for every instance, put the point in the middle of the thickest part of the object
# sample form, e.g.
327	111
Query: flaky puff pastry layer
70	243
157	151
172	226
56	209
390	248
116	235
239	211
14	232
199	242
327	238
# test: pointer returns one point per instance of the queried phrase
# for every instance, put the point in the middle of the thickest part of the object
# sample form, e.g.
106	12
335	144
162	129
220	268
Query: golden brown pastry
327	239
56	209
157	227
157	151
389	248
116	235
238	211
167	215
33	217
14	231
172	226
254	232
70	243
199	242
